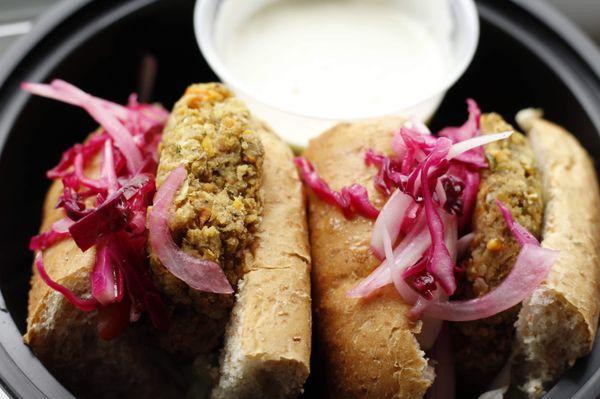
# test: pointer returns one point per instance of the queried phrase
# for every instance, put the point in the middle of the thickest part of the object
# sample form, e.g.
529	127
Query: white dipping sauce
337	59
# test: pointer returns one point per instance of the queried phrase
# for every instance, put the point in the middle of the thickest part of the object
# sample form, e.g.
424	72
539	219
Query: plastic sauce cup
262	29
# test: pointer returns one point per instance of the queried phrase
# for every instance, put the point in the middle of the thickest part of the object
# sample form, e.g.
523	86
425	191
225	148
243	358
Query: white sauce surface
339	59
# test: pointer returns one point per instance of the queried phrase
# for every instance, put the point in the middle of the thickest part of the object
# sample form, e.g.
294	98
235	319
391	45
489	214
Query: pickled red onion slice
464	146
409	251
390	219
521	234
530	269
108	168
98	110
199	274
464	243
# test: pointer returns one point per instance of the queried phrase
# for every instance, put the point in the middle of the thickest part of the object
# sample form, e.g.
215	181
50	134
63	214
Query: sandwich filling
483	346
432	183
433	188
216	210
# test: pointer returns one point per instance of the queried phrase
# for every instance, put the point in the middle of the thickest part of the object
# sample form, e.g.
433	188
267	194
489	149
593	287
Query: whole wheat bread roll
368	345
268	339
558	324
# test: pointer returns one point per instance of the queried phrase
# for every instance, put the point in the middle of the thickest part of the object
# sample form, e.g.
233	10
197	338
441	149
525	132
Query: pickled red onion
521	234
108	168
464	243
99	111
199	274
391	217
464	146
409	251
530	269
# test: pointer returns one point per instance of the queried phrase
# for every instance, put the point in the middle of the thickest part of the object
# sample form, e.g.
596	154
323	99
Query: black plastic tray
528	56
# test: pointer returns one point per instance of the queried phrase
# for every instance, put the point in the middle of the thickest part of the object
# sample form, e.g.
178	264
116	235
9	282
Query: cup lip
204	21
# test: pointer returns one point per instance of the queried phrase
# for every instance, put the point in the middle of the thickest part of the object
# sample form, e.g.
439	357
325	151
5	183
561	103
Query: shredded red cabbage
46	240
439	262
83	304
114	213
108	211
107	281
352	200
469	129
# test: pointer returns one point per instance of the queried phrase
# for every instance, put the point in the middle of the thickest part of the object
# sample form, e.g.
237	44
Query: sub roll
482	347
454	263
369	346
558	323
180	263
240	205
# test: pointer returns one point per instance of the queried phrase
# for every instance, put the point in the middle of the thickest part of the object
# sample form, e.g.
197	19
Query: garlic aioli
335	59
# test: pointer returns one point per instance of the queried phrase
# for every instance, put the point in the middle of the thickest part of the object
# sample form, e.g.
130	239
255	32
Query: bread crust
268	340
368	345
571	291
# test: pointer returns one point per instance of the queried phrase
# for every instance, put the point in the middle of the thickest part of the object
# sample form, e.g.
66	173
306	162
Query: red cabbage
352	200
439	262
109	212
107	281
46	240
87	151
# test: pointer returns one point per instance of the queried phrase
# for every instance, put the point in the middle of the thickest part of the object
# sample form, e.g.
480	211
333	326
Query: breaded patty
482	347
217	209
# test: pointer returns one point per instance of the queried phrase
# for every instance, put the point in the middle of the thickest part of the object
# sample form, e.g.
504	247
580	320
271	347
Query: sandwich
173	255
459	262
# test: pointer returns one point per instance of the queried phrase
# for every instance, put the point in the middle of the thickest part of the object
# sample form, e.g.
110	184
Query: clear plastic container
453	22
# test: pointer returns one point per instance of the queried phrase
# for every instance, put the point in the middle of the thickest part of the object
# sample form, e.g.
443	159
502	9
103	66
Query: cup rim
204	20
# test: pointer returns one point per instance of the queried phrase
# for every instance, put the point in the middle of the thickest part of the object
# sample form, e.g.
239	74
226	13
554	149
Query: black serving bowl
528	56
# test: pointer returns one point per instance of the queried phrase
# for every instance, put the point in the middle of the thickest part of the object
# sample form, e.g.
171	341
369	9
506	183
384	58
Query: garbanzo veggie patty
513	178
